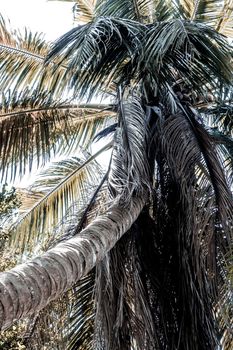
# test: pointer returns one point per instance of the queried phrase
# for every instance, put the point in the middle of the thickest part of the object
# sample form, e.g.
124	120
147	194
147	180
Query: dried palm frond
6	35
84	10
161	282
218	14
22	57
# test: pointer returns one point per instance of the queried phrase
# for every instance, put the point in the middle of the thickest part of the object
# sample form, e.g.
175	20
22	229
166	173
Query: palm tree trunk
29	287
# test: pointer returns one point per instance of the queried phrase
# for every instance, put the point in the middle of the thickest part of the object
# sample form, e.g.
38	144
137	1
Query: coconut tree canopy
145	261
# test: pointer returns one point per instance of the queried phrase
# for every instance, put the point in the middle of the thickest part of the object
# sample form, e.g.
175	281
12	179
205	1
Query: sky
53	18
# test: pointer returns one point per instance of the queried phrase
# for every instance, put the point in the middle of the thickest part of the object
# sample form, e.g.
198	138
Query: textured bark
29	287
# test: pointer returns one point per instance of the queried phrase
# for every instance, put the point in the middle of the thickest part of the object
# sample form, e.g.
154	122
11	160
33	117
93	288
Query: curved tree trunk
29	287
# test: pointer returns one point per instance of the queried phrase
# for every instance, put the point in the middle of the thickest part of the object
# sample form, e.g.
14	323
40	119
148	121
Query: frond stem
197	2
81	222
65	107
21	51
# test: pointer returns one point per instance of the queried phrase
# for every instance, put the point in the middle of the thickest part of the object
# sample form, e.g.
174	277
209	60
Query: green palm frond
223	309
95	52
218	14
34	128
55	190
142	10
122	51
187	52
226	149
220	118
164	10
138	10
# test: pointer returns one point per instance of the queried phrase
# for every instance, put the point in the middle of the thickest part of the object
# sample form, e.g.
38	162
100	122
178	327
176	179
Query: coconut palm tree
144	263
